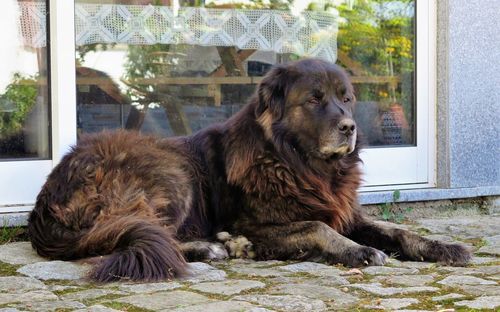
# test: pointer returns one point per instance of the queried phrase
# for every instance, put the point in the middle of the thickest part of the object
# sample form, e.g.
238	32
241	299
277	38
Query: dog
283	172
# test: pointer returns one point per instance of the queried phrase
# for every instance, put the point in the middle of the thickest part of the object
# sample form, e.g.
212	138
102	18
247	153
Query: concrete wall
469	93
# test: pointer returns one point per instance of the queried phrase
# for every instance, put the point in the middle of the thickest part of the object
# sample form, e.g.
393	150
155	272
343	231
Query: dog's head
309	104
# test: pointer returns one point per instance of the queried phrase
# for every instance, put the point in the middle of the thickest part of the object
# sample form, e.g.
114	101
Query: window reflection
24	118
172	68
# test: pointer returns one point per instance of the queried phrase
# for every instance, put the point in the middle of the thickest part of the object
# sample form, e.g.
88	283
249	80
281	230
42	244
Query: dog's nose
347	126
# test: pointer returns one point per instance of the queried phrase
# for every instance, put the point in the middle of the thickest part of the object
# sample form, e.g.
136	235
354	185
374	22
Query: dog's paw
364	256
202	251
237	247
447	254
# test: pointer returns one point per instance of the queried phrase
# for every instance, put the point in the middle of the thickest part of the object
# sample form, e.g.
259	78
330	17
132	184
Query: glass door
25	140
37	116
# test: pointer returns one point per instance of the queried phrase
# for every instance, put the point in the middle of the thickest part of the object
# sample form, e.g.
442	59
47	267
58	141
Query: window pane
174	67
24	100
376	44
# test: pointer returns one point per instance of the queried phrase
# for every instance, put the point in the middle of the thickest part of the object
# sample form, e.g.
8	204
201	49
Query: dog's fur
283	172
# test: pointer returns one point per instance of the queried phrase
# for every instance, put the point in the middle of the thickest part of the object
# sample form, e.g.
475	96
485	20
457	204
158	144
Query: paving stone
454	280
257	272
96	308
30	296
327	294
483	270
483	260
219	306
392	303
417	265
493	250
384	270
254	264
285	302
55	305
61	287
406	280
203	272
447	297
329	274
149	287
55	270
19	253
307	267
493	240
227	288
440	237
485	302
480	290
378	289
19	284
92	294
9	310
164	300
465	227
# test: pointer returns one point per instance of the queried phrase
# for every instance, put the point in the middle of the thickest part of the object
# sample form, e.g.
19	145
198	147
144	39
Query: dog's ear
271	91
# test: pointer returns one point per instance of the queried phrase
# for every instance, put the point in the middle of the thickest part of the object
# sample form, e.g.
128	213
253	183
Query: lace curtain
308	34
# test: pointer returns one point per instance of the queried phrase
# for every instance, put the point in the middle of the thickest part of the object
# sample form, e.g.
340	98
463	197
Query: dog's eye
346	100
314	101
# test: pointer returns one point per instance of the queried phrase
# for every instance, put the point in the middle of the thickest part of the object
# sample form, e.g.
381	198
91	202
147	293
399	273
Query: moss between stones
124	307
7	269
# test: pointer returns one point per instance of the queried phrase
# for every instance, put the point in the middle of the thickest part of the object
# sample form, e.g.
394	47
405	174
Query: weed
12	234
388	210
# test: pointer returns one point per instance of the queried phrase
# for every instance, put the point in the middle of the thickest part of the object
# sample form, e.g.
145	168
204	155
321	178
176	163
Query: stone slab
455	280
330	295
202	272
30	296
96	308
229	287
288	303
49	306
92	294
378	289
55	270
19	284
392	303
405	280
485	302
164	300
385	270
447	297
219	306
19	253
141	288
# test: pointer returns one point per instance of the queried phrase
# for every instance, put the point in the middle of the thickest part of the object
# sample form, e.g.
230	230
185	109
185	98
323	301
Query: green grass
12	234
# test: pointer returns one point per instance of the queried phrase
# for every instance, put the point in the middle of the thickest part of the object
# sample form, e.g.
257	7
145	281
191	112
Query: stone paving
30	283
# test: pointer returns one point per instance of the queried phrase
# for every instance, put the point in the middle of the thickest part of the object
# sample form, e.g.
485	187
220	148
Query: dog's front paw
448	254
363	256
202	251
237	247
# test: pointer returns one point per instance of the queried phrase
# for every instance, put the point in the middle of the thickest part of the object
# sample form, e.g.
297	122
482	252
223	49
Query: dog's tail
141	250
133	247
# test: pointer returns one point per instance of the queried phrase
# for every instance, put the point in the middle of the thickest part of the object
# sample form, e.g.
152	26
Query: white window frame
390	168
386	168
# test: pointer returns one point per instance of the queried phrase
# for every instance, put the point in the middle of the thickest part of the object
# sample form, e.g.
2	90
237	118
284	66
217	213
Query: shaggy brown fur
283	172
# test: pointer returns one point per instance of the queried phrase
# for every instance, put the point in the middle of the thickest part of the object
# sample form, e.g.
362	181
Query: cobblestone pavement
30	283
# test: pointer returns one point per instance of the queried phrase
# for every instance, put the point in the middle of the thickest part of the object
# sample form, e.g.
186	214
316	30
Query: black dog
283	172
